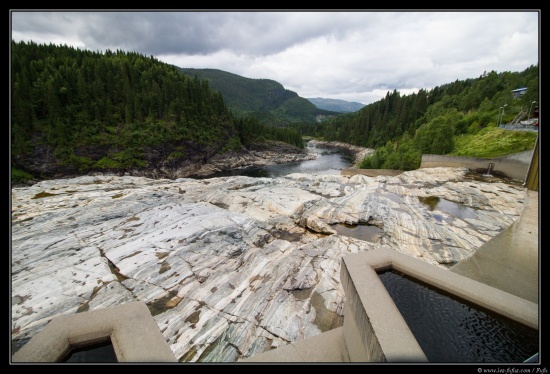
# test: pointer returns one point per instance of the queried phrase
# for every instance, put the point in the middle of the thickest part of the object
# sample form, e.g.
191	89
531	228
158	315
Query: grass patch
493	142
175	155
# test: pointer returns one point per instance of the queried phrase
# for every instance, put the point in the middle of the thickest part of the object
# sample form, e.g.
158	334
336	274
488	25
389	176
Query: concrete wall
374	329
371	172
513	166
520	127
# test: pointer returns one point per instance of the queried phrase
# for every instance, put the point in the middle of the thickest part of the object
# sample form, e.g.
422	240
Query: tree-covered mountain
335	105
76	111
403	127
265	99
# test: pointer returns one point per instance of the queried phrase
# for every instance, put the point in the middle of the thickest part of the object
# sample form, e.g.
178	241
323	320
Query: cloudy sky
349	55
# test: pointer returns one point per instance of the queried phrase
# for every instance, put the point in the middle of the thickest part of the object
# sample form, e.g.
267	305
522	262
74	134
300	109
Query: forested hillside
75	111
265	99
81	110
403	127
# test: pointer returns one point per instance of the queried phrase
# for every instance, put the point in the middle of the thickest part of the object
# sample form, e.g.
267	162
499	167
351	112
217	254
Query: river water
330	160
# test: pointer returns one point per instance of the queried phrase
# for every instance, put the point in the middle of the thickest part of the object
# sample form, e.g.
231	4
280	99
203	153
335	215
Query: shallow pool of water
369	233
454	209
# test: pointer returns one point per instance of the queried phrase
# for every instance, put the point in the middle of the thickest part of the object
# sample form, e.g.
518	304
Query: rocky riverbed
231	267
160	164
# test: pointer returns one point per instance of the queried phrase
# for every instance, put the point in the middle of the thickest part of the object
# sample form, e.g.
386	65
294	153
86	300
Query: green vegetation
251	131
107	110
19	176
493	142
84	111
265	99
456	119
335	105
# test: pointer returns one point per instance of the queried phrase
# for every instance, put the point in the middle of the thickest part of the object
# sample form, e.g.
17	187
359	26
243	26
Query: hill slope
403	127
75	112
264	98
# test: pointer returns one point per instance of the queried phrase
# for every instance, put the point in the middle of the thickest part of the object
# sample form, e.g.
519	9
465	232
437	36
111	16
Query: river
330	160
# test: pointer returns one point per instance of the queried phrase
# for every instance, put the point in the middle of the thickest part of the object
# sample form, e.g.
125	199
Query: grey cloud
189	32
316	54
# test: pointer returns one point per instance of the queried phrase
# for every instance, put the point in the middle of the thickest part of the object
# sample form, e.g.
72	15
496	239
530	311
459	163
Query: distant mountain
336	105
265	98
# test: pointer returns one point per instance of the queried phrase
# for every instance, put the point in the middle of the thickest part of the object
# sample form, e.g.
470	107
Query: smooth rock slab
230	267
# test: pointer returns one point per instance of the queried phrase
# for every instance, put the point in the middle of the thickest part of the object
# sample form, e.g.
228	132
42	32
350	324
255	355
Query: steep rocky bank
234	266
160	163
259	154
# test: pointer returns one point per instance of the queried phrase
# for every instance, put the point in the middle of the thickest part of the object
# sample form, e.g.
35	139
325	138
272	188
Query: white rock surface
231	267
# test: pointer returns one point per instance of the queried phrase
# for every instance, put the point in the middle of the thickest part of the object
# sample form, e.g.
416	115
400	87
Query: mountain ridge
336	105
266	99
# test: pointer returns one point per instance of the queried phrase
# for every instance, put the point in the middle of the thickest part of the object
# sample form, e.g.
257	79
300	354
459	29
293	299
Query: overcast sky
349	55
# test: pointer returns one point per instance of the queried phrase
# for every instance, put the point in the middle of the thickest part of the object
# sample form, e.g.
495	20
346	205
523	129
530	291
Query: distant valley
336	105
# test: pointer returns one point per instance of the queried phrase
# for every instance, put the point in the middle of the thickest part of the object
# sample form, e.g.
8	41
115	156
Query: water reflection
479	175
330	160
455	209
369	233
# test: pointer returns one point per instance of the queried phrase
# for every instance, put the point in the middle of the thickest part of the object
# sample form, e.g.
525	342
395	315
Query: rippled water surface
449	330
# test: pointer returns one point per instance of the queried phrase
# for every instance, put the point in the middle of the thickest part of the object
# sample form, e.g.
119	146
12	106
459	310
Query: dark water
458	210
330	160
450	330
101	352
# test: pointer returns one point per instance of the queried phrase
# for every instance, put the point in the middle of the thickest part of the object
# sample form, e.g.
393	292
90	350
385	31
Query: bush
107	163
234	144
474	128
174	155
82	163
20	176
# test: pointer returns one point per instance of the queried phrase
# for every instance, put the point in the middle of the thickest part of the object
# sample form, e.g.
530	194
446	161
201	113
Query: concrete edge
493	299
326	347
383	331
131	328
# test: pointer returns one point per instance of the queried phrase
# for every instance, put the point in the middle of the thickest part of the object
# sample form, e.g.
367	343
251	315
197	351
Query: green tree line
252	131
403	127
66	98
